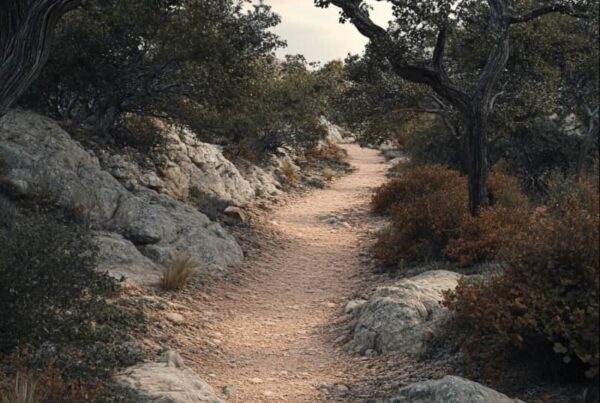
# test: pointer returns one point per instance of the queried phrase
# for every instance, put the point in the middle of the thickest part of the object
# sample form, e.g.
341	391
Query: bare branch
411	72
493	100
551	8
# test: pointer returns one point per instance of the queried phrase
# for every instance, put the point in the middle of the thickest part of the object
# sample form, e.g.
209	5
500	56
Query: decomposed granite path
273	342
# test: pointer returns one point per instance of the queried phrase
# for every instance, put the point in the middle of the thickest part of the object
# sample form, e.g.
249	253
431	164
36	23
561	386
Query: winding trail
273	335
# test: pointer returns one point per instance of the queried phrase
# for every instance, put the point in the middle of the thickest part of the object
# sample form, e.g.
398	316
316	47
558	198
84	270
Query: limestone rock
450	389
175	317
336	134
202	167
261	179
120	258
354	306
397	318
167	381
235	213
47	163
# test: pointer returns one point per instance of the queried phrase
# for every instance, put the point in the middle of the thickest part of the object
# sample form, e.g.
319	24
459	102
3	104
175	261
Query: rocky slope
141	217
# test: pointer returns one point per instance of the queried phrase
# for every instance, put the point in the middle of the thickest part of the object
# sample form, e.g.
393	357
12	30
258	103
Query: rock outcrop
167	381
191	165
41	161
397	318
336	134
450	389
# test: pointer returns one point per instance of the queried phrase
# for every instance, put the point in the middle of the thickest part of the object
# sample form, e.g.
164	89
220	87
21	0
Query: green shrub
53	301
545	304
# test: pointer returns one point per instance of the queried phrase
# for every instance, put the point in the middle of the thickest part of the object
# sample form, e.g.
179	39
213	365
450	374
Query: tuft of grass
328	174
179	272
24	391
290	172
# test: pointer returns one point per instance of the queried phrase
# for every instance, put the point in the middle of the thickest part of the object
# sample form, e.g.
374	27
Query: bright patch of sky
316	32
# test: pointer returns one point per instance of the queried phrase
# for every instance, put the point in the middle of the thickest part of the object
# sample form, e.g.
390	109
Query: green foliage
204	64
54	301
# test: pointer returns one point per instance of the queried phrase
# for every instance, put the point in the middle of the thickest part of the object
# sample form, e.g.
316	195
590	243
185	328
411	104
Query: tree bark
25	30
477	163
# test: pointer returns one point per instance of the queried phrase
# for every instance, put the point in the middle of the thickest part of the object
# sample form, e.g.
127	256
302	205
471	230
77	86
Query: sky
316	32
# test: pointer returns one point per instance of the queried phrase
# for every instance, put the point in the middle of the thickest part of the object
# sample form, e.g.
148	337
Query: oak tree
415	47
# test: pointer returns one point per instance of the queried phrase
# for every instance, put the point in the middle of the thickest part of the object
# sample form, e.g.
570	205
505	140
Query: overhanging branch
552	8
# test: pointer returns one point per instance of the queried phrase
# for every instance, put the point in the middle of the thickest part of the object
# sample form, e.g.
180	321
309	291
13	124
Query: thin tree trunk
25	30
478	164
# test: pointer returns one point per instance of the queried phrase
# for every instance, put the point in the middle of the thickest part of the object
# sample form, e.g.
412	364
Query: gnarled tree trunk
25	30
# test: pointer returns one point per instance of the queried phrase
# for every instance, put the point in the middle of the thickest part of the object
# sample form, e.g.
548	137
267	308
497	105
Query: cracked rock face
450	389
397	318
41	161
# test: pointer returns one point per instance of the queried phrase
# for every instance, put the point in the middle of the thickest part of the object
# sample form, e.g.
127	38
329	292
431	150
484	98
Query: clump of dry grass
328	174
24	391
178	273
289	171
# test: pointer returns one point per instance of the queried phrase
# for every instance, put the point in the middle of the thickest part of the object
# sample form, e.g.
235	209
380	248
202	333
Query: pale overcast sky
316	32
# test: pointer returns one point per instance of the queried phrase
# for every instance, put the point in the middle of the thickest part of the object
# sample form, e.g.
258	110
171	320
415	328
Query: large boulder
450	389
167	381
120	257
193	166
41	161
397	318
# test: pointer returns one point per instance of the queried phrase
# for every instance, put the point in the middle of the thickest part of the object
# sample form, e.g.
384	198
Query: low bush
545	304
427	206
45	384
54	302
414	185
179	272
482	237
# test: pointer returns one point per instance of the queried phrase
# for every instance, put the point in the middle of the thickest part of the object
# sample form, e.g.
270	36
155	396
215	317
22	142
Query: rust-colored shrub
505	191
545	304
482	237
415	184
427	206
328	151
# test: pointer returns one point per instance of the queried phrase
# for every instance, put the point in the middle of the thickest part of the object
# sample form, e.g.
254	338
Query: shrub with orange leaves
482	237
545	304
416	184
427	206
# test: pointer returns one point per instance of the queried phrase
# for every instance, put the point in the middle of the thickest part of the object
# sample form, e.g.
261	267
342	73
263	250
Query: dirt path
272	334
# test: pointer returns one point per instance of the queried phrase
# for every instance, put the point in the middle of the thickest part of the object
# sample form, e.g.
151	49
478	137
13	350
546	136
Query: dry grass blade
290	171
25	391
328	174
179	272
